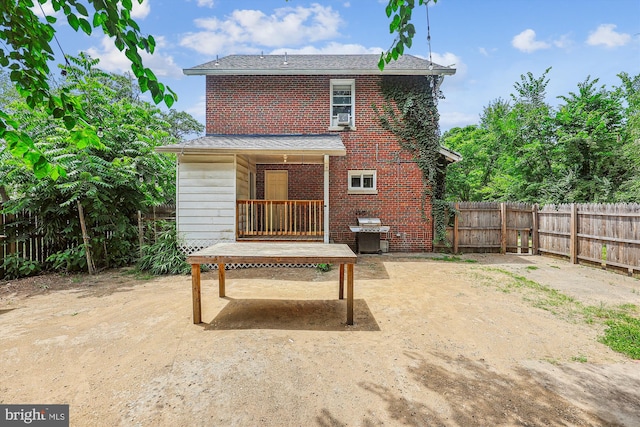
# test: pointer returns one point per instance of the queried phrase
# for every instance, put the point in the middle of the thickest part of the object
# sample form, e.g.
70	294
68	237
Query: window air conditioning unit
343	119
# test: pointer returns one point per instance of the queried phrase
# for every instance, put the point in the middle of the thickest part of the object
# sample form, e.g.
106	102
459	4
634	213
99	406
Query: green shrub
323	267
164	256
72	259
15	267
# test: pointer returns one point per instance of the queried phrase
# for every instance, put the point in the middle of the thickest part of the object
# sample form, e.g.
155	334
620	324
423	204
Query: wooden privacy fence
491	227
607	234
19	235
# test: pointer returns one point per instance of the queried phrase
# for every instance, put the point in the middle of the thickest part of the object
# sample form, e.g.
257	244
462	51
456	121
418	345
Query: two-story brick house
294	150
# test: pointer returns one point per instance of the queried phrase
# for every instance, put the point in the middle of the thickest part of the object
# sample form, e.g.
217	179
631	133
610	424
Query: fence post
535	243
503	225
455	228
573	238
13	248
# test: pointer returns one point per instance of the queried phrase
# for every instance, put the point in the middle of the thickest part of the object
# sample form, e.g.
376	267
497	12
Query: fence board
607	234
21	236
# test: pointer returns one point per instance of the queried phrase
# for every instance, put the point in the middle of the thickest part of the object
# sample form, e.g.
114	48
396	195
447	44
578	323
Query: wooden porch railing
286	218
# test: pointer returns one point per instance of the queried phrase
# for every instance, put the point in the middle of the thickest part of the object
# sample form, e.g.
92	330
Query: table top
270	252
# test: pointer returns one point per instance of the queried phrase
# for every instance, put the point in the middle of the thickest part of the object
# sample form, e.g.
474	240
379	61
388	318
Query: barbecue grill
368	235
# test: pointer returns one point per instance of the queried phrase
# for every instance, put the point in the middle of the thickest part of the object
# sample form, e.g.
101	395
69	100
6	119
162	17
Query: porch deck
280	220
280	238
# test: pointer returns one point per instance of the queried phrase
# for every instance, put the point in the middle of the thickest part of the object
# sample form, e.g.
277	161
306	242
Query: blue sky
491	43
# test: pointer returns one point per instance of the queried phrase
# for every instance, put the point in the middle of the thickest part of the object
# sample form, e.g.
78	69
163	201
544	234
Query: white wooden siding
242	177
206	200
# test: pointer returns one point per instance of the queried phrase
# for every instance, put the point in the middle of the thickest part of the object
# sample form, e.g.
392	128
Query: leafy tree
105	185
27	51
629	93
182	124
588	134
587	150
530	130
466	179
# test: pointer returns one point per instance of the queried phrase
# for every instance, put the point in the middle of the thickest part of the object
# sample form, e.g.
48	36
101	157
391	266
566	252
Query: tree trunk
4	197
85	238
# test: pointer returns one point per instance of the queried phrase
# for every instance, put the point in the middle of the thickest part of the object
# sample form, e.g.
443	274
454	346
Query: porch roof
450	155
318	144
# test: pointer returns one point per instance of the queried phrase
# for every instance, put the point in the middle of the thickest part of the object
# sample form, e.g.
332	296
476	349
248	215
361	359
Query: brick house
294	150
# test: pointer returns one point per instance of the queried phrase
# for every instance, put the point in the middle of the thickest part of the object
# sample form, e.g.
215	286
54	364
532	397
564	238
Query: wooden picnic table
271	253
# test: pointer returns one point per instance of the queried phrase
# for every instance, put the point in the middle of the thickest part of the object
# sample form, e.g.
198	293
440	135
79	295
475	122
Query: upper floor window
342	104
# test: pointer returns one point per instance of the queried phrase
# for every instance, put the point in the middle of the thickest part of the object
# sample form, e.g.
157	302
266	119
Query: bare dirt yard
435	343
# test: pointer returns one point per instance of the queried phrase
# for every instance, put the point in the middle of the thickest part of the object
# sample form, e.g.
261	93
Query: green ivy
411	114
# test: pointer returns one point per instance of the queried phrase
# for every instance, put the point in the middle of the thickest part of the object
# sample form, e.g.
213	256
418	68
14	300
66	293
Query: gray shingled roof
316	64
330	144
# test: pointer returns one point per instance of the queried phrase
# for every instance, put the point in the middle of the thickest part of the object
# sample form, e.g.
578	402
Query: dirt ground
435	343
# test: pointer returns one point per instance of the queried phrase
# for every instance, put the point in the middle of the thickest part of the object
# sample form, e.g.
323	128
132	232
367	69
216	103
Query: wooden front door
276	187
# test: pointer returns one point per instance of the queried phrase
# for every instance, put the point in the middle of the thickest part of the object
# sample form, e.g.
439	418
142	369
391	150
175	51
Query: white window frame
333	120
361	189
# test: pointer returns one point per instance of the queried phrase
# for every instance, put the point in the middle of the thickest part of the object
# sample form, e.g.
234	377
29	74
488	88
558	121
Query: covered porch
280	220
278	186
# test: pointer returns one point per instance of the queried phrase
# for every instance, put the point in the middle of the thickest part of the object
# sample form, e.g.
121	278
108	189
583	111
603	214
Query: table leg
221	292
349	294
195	293
341	291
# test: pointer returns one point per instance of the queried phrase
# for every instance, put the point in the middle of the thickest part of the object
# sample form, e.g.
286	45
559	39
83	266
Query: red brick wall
300	104
305	181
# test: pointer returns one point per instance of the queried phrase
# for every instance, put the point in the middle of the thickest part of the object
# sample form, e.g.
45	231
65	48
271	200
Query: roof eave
450	155
180	149
281	72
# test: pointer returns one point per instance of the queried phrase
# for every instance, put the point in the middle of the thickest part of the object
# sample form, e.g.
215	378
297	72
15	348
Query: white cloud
198	110
140	10
247	30
47	8
205	3
331	48
111	59
605	35
526	42
563	42
447	59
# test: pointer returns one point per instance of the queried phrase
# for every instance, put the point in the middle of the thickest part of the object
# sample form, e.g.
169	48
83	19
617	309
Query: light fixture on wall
284	158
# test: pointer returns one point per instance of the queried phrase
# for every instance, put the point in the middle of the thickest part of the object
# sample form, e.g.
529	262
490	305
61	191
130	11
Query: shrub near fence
18	233
607	234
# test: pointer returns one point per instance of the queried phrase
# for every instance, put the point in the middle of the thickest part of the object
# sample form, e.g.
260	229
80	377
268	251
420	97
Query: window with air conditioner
362	182
342	104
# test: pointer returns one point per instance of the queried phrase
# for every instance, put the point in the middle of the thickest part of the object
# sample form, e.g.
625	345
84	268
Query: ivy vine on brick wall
411	114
